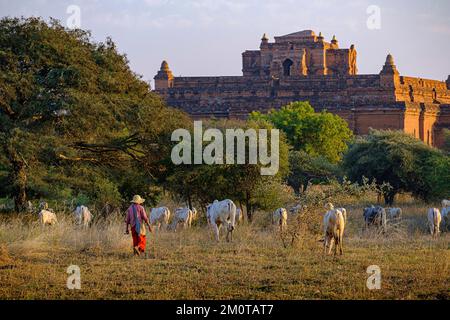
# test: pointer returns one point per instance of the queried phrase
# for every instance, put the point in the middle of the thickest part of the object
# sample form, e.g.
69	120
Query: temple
302	66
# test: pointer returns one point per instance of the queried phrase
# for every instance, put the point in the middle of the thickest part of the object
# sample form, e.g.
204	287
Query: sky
207	37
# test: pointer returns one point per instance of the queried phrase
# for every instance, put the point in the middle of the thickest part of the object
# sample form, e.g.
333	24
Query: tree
316	133
73	114
405	163
239	182
306	169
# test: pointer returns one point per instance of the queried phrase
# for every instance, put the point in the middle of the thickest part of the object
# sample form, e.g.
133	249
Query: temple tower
164	78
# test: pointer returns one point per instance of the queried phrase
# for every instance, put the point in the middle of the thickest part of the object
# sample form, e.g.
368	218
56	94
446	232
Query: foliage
407	164
317	134
239	182
73	114
306	169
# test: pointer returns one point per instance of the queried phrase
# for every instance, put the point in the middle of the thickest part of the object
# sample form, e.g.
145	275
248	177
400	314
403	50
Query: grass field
190	265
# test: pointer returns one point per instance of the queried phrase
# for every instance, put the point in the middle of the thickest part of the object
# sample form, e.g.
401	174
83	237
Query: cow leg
216	231
331	245
326	243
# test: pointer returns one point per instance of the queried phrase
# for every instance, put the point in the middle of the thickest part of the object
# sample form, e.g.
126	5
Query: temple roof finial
165	66
390	60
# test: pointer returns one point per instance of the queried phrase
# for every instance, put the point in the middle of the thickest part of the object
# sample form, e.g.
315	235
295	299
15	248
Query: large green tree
74	116
406	163
317	133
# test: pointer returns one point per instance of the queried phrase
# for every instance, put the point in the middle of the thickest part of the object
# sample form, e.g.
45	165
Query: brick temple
302	66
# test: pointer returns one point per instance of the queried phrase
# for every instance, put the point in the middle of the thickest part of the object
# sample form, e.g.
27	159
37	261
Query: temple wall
304	67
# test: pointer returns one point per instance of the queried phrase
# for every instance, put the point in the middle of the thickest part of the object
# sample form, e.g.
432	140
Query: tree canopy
317	133
406	163
74	117
239	182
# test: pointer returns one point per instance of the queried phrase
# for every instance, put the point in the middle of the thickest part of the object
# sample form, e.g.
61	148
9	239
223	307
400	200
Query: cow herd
81	215
225	213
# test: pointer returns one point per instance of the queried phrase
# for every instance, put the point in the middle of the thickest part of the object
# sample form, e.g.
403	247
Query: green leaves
75	115
404	162
318	134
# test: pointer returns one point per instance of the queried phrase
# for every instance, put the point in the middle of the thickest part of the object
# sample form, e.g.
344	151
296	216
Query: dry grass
190	265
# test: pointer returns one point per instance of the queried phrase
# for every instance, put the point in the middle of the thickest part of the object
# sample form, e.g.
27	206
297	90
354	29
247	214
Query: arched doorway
287	65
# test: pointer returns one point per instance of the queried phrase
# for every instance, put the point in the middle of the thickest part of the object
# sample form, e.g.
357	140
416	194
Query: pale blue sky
207	37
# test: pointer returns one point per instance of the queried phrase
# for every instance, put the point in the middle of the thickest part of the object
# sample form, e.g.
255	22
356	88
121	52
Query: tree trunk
389	198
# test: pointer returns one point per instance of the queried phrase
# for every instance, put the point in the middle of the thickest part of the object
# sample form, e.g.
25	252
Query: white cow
280	217
184	216
160	216
445	203
82	216
47	217
330	206
334	225
394	213
222	213
434	220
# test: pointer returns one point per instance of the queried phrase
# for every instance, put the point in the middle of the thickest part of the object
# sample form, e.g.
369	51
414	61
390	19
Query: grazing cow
394	213
160	216
445	203
375	216
184	216
47	217
280	217
334	224
222	213
434	220
239	216
82	216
